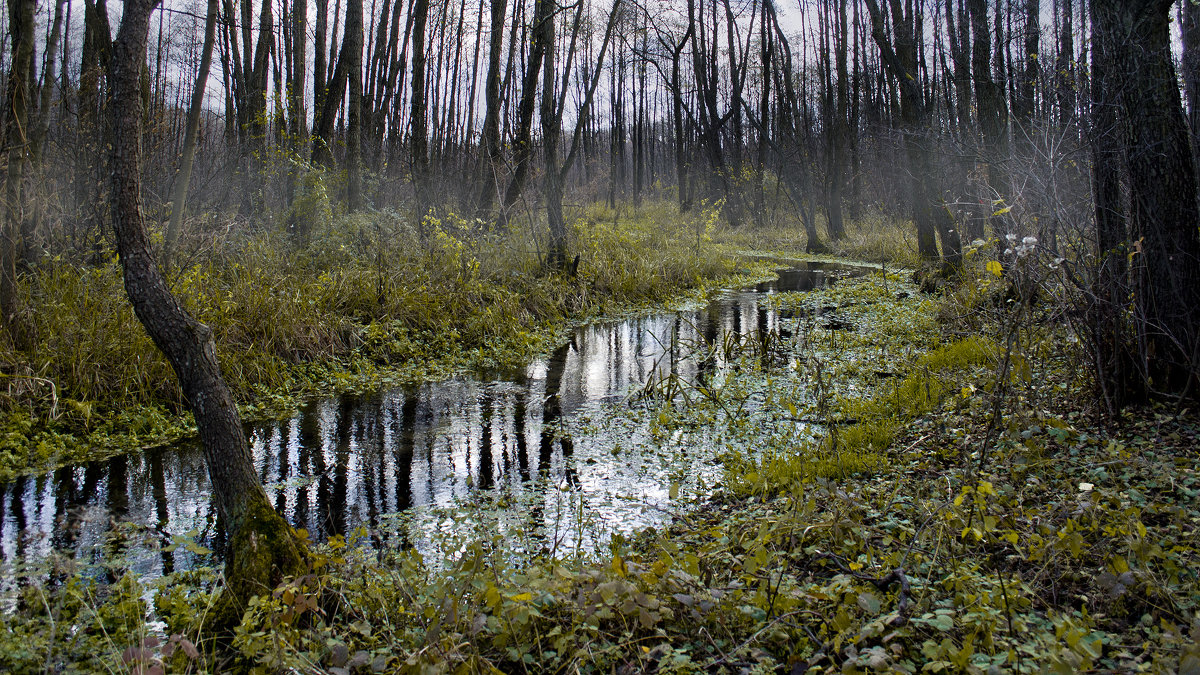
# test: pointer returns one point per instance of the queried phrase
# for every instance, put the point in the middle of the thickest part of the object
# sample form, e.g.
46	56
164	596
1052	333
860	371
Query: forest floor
924	484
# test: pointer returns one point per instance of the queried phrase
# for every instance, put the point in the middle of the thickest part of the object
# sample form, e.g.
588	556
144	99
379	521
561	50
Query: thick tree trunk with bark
1162	191
263	549
1113	353
1190	67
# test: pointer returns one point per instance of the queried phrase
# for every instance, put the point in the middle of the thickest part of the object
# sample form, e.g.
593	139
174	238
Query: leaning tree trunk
523	142
262	547
49	86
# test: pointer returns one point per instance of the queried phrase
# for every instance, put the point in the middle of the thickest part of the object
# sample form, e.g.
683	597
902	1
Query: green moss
263	551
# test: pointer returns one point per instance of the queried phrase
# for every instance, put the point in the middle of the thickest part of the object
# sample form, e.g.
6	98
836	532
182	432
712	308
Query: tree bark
418	120
353	44
1190	65
262	547
1113	355
256	80
21	31
1162	192
320	37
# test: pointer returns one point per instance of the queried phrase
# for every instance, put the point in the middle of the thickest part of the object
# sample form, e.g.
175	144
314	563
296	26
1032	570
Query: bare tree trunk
1190	67
837	126
420	128
989	99
256	80
320	37
1023	100
95	54
1162	192
297	115
1114	356
322	140
677	120
543	38
180	190
491	120
523	143
353	44
38	138
975	210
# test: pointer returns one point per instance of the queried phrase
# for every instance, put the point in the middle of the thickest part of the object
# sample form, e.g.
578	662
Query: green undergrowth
913	484
1001	530
868	359
365	303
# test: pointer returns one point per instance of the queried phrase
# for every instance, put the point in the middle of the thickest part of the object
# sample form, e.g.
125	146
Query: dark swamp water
546	448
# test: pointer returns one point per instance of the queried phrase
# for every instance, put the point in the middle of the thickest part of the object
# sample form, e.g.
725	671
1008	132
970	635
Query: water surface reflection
352	461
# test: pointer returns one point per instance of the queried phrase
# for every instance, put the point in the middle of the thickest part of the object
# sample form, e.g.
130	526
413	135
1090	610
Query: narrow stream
355	461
